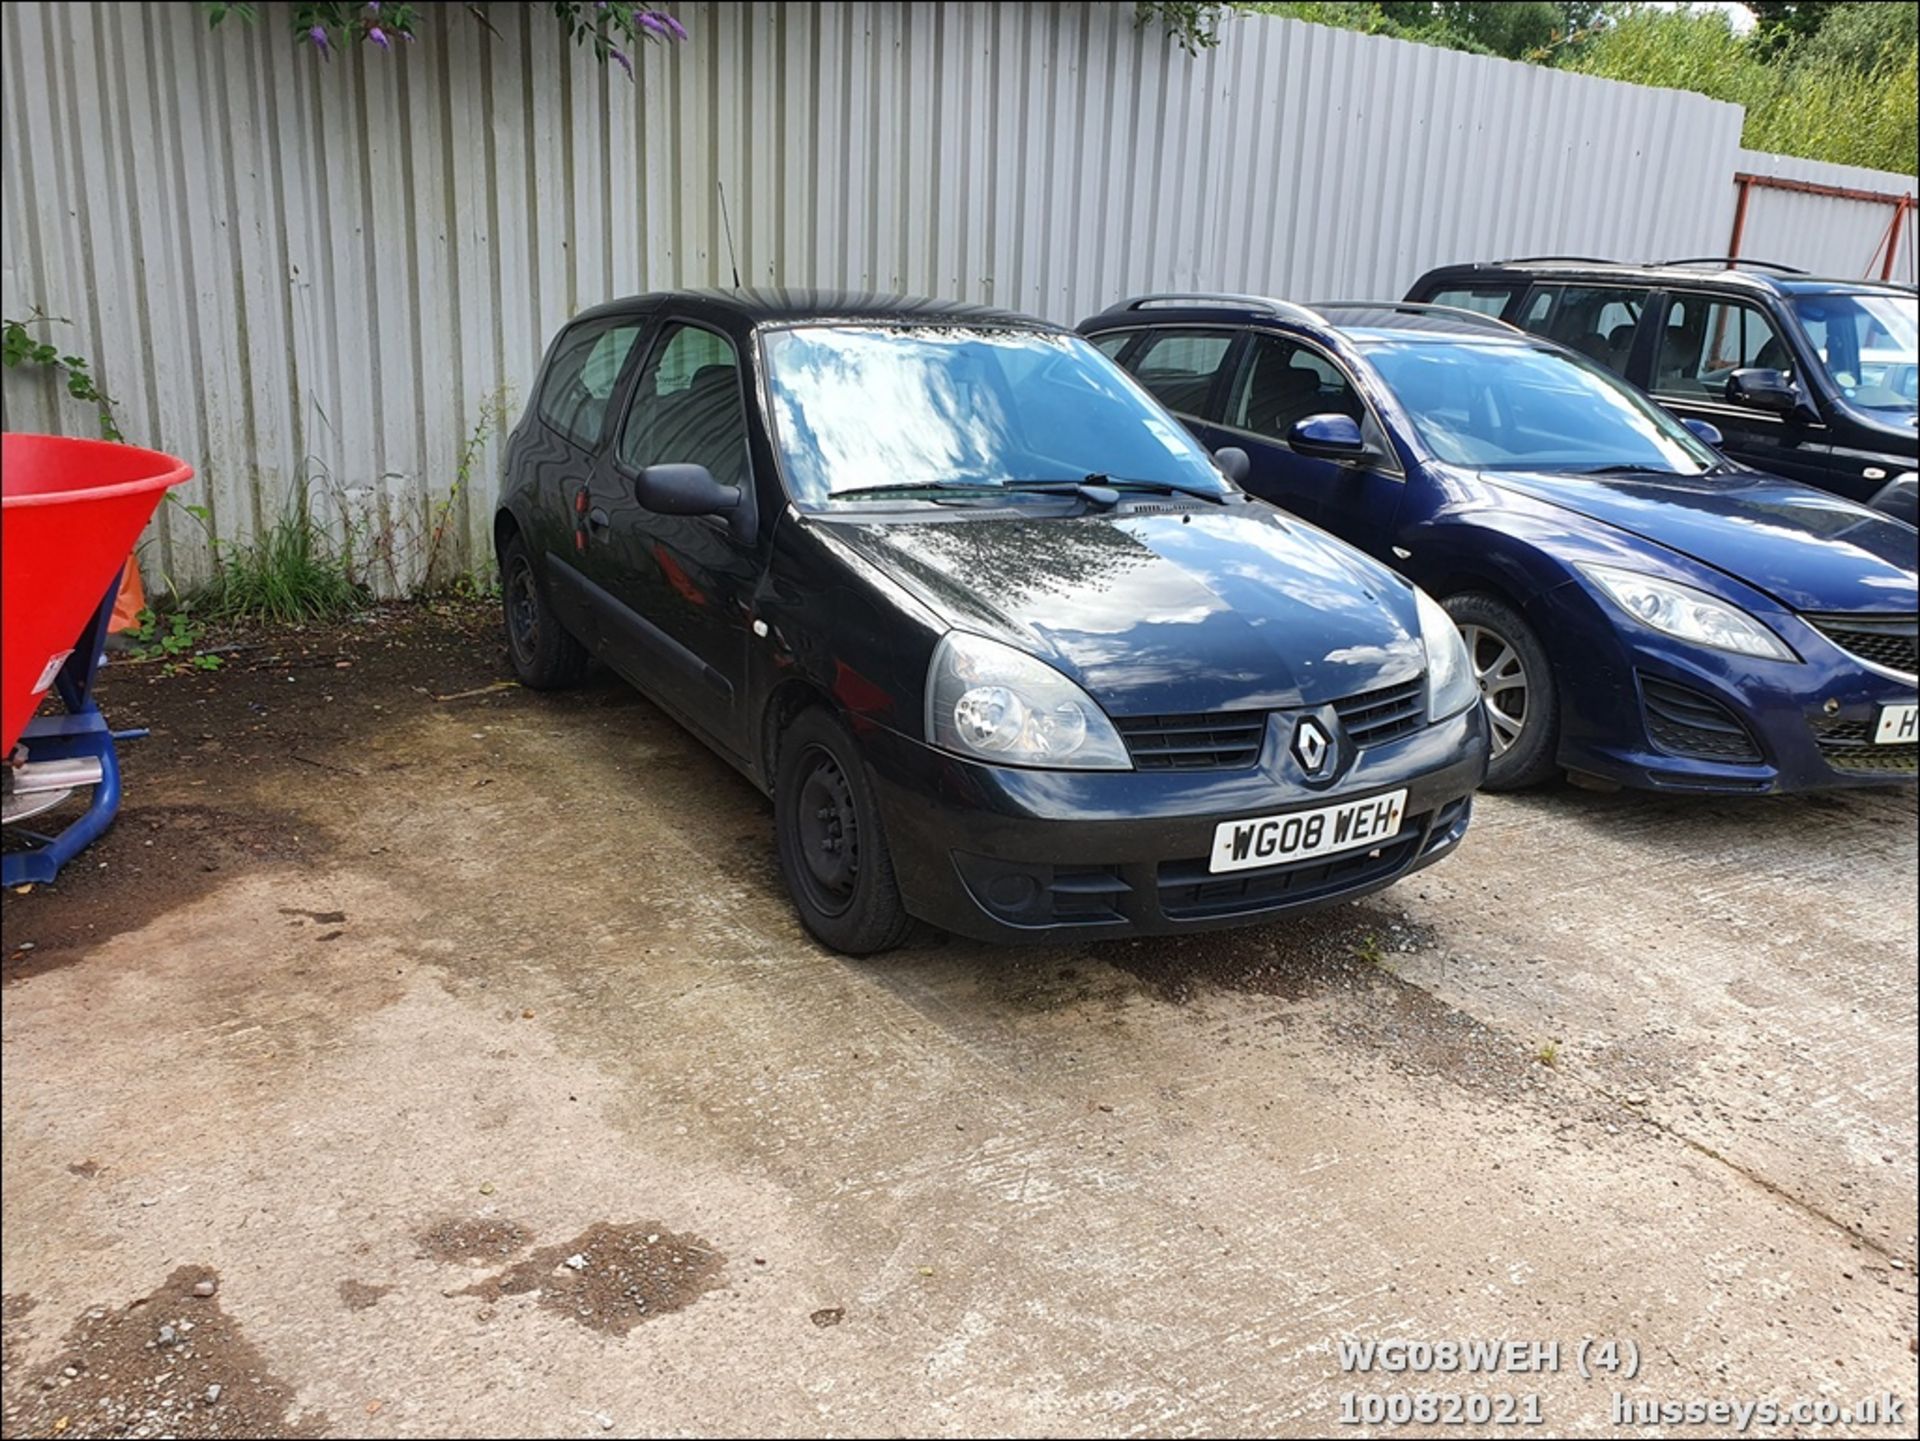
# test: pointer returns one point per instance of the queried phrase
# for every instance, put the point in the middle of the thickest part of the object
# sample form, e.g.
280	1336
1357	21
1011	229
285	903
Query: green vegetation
19	347
1830	81
174	638
292	574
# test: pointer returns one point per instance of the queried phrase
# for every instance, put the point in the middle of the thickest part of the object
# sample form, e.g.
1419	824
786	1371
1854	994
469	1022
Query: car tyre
545	656
1516	687
833	846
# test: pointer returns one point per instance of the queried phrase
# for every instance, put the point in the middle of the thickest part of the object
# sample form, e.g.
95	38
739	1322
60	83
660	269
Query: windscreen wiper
1158	487
1628	470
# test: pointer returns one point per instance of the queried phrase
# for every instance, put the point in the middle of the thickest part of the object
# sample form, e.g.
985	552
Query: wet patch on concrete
1337	949
155	859
170	1364
473	1241
611	1278
359	1295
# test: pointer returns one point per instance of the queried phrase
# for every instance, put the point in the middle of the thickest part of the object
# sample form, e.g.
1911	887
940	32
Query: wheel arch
784	702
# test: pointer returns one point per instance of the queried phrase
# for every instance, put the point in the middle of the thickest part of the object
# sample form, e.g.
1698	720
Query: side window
688	408
1280	383
586	366
1110	345
1704	341
1597	320
1539	307
1179	366
1487	299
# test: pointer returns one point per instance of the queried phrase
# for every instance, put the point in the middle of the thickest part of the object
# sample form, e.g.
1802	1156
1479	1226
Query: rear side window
1487	299
1179	367
580	379
1704	341
1599	321
1111	344
688	408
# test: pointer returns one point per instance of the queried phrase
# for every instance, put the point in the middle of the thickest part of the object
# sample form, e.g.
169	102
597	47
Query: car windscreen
872	408
1866	340
1497	406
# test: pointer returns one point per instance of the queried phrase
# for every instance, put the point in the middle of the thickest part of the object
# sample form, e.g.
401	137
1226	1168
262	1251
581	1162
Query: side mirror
1763	390
1332	437
1233	463
1703	430
684	490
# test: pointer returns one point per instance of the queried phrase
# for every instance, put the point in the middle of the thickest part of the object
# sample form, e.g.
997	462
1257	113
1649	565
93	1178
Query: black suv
1807	378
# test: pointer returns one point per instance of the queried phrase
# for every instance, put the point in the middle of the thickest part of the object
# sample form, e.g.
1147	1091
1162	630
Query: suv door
1703	339
682	586
1601	322
1279	381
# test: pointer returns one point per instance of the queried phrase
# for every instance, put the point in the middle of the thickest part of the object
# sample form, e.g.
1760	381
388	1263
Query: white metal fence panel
299	274
1821	233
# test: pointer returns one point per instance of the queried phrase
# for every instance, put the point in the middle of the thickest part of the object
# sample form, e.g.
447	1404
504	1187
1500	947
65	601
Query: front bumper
1799	726
1003	854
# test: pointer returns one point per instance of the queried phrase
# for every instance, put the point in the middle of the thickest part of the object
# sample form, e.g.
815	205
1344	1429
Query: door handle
597	518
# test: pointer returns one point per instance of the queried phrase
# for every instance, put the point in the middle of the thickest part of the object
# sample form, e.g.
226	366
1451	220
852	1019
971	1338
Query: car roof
786	307
1359	320
1742	274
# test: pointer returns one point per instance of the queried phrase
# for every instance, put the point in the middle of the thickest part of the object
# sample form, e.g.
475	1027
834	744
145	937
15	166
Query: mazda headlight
988	701
1451	685
1687	614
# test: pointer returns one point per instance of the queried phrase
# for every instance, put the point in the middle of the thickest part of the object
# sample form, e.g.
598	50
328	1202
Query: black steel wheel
544	654
833	847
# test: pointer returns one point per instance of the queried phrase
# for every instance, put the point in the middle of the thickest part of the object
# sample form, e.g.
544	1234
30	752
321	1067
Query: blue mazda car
1638	608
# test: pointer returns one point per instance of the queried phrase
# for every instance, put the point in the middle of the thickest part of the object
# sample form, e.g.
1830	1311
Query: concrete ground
462	1042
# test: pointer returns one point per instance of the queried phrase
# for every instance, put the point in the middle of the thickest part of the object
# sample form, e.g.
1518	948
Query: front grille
1690	724
1230	741
1384	715
1189	891
1888	641
1848	746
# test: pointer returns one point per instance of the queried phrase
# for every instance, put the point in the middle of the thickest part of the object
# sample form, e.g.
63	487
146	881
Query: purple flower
374	6
318	35
621	56
650	21
679	30
379	37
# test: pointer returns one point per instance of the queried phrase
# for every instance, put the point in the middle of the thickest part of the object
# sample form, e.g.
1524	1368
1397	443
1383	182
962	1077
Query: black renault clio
1009	651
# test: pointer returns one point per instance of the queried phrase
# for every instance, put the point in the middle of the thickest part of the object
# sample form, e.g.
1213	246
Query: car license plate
1302	835
1898	725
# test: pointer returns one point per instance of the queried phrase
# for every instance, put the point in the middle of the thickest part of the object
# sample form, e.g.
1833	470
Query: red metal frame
1884	252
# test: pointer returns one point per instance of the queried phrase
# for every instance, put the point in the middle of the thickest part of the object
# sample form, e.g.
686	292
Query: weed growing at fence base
291	574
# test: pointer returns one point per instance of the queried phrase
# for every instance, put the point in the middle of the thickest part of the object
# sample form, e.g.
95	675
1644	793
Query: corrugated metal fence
331	275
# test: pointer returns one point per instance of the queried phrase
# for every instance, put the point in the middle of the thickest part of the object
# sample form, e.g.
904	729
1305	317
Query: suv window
1112	343
687	407
1487	299
1179	367
1281	382
1704	341
586	366
1597	320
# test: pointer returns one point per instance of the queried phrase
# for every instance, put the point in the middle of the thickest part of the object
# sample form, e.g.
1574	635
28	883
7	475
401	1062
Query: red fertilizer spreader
70	512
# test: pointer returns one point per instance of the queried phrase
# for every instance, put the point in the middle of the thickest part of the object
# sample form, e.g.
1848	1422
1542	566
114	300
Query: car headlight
1688	614
1451	685
988	701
